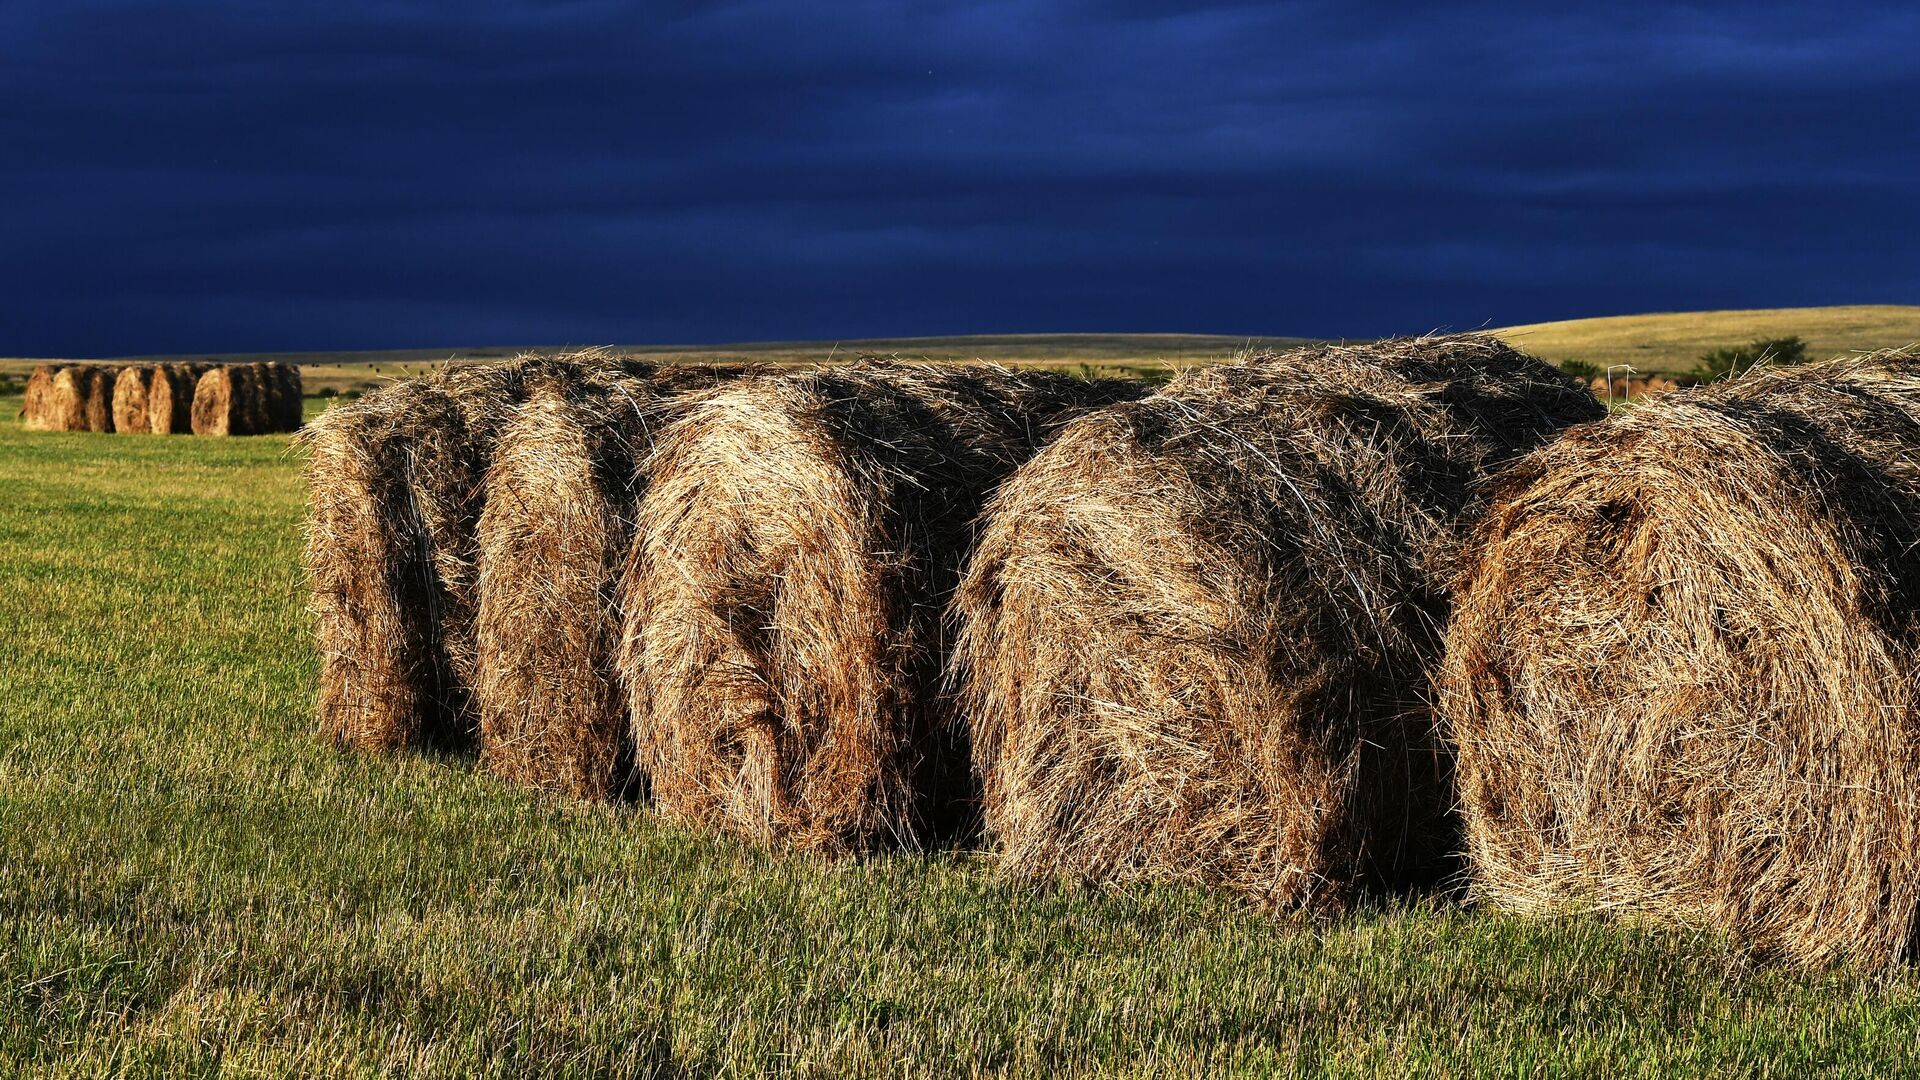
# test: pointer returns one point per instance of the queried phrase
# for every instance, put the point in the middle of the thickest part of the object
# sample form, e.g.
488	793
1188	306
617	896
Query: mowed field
192	884
1671	343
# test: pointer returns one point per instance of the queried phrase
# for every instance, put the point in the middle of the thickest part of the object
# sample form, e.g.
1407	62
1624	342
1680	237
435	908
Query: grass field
1671	343
190	884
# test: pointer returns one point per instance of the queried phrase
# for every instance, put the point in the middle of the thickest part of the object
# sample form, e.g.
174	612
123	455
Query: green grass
1671	343
191	884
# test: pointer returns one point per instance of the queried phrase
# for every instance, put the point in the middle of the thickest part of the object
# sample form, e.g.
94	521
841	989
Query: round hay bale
784	599
1682	671
557	524
65	404
1195	634
285	407
97	404
396	482
170	398
37	409
220	401
130	389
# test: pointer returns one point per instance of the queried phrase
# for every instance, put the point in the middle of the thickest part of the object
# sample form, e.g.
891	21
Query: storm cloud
254	176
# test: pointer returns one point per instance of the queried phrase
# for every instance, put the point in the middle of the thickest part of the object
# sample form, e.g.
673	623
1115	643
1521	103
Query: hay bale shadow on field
1195	634
785	597
1682	672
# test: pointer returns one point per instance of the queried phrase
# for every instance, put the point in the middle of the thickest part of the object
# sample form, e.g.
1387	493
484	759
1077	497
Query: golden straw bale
170	398
784	598
558	521
1195	635
1682	670
130	399
396	481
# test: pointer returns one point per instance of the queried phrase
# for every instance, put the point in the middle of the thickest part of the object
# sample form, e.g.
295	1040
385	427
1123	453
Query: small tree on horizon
1735	360
1580	369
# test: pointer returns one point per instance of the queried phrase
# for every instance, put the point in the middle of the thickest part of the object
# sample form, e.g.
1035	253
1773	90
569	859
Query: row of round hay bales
1287	625
247	399
1683	673
164	399
70	397
1633	387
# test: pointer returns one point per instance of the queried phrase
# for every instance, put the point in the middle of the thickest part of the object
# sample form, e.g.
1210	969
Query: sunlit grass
1672	343
190	884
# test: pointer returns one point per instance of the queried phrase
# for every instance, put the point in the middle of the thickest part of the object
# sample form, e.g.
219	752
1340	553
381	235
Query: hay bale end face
557	524
38	405
220	401
1195	633
1682	671
130	405
66	408
170	398
396	482
784	600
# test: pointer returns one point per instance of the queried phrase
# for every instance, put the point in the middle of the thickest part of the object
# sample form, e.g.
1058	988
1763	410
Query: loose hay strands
396	481
130	399
75	398
1682	671
784	598
558	521
1195	633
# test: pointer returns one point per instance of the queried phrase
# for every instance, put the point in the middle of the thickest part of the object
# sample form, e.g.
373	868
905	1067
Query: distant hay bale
71	398
97	402
285	404
66	400
556	528
130	390
247	399
170	398
221	401
784	599
37	408
396	483
1195	633
1682	672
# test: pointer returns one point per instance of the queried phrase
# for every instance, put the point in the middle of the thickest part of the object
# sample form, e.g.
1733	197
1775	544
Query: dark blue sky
247	174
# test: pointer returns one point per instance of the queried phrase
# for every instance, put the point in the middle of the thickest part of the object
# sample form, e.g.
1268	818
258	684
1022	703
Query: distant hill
1671	342
1667	342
